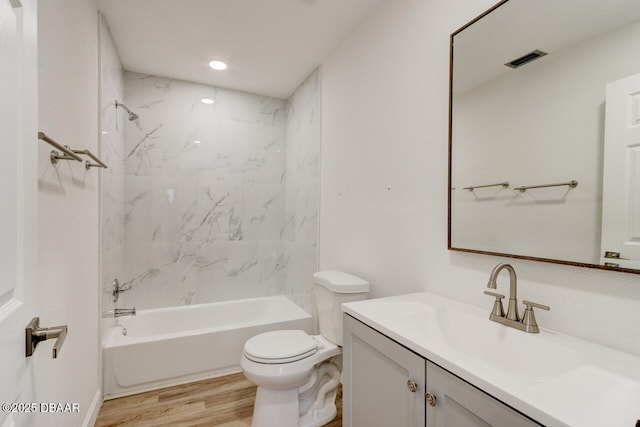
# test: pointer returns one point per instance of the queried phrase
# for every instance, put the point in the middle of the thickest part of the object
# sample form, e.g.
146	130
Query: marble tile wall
302	179
112	153
218	203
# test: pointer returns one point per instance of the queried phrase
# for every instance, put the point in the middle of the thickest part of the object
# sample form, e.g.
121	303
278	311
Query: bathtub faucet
118	289
119	312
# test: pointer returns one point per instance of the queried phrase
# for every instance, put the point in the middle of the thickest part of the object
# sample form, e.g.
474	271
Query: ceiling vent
525	59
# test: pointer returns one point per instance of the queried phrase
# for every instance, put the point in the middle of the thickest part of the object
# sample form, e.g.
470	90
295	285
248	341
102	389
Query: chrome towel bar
98	163
503	184
70	154
55	156
573	184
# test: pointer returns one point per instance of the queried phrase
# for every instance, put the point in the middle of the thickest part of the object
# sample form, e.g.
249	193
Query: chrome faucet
528	322
119	312
512	310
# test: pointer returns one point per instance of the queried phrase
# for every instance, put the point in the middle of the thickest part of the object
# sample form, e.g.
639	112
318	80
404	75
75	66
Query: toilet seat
277	347
288	376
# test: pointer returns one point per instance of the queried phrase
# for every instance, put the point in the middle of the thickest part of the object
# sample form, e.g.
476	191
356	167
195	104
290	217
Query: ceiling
271	46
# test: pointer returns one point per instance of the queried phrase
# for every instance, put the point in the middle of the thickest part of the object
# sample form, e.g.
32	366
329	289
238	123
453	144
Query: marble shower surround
302	190
112	153
207	210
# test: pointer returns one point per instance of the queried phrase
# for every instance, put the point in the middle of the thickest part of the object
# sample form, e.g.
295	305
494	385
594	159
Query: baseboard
92	413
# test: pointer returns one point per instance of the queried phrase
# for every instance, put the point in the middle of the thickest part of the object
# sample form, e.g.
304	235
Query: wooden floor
225	401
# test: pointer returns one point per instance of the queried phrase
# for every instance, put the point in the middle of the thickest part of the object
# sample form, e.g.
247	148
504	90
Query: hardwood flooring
224	402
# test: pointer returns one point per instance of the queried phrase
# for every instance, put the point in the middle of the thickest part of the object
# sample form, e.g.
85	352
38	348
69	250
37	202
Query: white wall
384	179
68	221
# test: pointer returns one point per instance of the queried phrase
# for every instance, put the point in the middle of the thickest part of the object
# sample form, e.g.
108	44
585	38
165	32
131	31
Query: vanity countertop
556	379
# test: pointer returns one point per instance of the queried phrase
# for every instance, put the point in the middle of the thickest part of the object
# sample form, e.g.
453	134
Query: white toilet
298	374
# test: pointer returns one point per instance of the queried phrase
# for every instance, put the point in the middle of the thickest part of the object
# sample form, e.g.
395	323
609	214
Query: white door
18	115
621	179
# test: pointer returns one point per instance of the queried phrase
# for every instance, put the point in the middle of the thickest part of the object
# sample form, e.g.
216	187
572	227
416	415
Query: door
455	403
18	115
383	382
621	178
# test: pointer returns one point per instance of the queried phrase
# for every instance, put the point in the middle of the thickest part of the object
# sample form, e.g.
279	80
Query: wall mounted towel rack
573	184
98	163
502	184
70	154
55	156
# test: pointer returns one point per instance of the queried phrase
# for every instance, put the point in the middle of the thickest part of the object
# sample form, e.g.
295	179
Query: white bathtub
170	346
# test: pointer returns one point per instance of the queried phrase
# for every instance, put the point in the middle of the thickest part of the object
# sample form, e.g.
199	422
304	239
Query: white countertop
556	379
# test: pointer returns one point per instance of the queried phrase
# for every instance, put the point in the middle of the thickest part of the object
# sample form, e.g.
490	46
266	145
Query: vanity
424	359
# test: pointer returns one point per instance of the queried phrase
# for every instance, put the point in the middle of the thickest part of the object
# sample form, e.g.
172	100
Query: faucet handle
494	294
530	304
529	318
498	310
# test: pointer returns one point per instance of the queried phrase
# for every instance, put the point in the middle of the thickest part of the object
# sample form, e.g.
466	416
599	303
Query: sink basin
528	357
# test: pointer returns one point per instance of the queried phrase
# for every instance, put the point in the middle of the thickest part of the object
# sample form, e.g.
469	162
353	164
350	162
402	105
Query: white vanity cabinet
383	382
456	403
386	384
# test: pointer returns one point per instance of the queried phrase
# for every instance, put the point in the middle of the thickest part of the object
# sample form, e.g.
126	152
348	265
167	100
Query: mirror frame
450	167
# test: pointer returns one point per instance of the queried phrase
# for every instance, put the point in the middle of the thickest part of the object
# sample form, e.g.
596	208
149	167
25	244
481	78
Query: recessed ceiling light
196	141
207	101
218	65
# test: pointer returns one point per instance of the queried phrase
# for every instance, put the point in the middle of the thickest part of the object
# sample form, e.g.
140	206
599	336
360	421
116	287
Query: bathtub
170	346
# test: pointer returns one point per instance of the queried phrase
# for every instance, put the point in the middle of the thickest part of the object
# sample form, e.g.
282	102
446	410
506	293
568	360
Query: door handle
34	334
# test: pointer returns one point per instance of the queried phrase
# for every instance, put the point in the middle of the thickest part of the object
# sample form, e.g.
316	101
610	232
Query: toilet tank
331	289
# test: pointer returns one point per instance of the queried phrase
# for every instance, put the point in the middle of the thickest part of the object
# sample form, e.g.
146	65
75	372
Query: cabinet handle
412	386
431	399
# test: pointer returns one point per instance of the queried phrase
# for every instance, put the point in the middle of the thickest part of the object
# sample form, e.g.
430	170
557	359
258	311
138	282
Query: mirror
544	136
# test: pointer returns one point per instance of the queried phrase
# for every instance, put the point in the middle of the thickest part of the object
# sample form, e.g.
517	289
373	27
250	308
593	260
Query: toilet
298	374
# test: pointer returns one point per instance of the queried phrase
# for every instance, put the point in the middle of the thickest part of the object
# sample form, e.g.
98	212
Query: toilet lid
280	346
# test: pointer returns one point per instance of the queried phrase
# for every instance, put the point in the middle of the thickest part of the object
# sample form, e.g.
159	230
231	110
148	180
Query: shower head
132	116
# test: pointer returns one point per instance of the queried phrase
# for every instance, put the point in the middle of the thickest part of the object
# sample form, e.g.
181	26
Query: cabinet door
383	382
459	404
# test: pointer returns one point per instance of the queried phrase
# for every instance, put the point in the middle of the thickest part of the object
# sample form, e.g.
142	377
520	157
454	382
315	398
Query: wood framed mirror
544	133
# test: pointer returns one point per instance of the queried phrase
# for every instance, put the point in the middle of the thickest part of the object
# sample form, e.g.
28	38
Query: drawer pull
412	386
431	399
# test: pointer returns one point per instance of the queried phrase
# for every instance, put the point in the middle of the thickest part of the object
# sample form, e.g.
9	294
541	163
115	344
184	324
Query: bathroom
383	192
